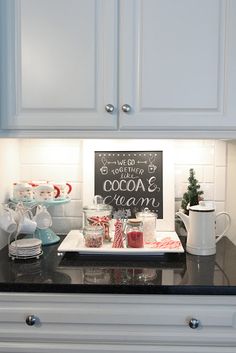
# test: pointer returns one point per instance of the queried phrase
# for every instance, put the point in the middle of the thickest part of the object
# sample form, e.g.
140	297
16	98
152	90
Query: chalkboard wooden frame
166	146
130	181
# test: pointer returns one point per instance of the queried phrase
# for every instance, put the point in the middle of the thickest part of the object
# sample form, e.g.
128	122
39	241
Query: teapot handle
219	236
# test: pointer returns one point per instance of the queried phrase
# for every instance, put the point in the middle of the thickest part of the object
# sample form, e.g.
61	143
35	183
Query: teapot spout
185	219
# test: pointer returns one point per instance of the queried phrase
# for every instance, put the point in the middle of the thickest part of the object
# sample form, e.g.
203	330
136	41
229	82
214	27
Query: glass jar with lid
134	233
149	224
98	214
93	236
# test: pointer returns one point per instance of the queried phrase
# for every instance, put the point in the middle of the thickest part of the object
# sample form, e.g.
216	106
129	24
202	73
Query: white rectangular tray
74	242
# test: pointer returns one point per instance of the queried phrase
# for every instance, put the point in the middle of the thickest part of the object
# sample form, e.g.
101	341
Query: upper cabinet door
177	64
61	64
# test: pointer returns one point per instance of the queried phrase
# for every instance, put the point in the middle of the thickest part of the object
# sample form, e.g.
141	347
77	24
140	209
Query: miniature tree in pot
193	195
190	198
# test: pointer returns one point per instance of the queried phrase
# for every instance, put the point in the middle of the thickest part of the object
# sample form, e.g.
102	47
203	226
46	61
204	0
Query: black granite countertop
161	274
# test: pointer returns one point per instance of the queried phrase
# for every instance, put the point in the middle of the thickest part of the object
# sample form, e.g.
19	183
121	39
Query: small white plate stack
25	248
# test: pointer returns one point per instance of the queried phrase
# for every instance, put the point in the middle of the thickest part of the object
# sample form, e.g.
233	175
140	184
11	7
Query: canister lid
146	213
203	207
134	221
98	205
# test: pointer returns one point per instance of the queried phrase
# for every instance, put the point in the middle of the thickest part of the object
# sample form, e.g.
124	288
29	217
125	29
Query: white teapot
201	229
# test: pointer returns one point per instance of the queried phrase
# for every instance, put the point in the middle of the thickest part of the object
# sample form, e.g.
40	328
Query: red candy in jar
134	233
93	236
98	214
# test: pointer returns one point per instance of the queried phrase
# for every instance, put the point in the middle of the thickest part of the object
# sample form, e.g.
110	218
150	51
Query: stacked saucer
25	248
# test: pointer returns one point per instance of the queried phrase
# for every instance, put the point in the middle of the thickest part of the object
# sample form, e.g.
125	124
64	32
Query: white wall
36	159
231	189
209	160
9	172
56	160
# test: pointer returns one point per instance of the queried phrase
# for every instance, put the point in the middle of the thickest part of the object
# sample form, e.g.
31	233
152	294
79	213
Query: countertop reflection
160	274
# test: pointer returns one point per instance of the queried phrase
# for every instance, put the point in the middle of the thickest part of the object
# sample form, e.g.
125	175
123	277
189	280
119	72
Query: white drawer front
126	319
9	347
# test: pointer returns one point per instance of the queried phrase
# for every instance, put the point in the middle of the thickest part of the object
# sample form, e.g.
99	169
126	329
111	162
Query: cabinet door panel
173	66
56	56
64	53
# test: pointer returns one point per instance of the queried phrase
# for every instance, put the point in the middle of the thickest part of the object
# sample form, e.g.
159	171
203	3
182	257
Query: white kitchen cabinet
177	64
61	63
117	323
161	64
104	348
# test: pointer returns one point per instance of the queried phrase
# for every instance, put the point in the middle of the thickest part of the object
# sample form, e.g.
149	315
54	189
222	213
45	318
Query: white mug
7	221
46	192
64	189
27	225
23	218
22	192
42	218
35	183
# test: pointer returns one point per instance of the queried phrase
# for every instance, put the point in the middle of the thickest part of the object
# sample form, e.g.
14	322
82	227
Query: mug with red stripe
45	192
64	188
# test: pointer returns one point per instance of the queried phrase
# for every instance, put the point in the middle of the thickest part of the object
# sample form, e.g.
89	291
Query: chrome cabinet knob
31	320
193	323
126	108
110	108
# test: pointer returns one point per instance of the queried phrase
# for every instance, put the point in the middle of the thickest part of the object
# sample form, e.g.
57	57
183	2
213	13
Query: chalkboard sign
130	181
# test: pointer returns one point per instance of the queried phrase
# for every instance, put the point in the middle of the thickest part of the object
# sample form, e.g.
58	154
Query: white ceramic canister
149	224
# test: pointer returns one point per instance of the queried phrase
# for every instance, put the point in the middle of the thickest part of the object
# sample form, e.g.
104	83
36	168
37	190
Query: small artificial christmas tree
192	196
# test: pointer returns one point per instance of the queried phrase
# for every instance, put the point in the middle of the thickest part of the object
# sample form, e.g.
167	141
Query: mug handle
227	226
57	191
69	188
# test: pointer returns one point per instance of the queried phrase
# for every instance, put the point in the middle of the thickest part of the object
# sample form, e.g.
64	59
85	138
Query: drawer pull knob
31	320
194	323
110	108
126	108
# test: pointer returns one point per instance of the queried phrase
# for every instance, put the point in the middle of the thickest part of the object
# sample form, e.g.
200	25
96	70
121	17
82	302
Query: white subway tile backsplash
208	189
208	143
56	161
182	173
70	173
208	174
56	211
219	206
41	151
194	152
177	205
220	153
62	225
220	179
62	160
208	159
73	209
76	193
9	165
180	189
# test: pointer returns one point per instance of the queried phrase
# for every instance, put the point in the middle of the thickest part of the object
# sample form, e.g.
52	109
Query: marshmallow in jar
149	224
